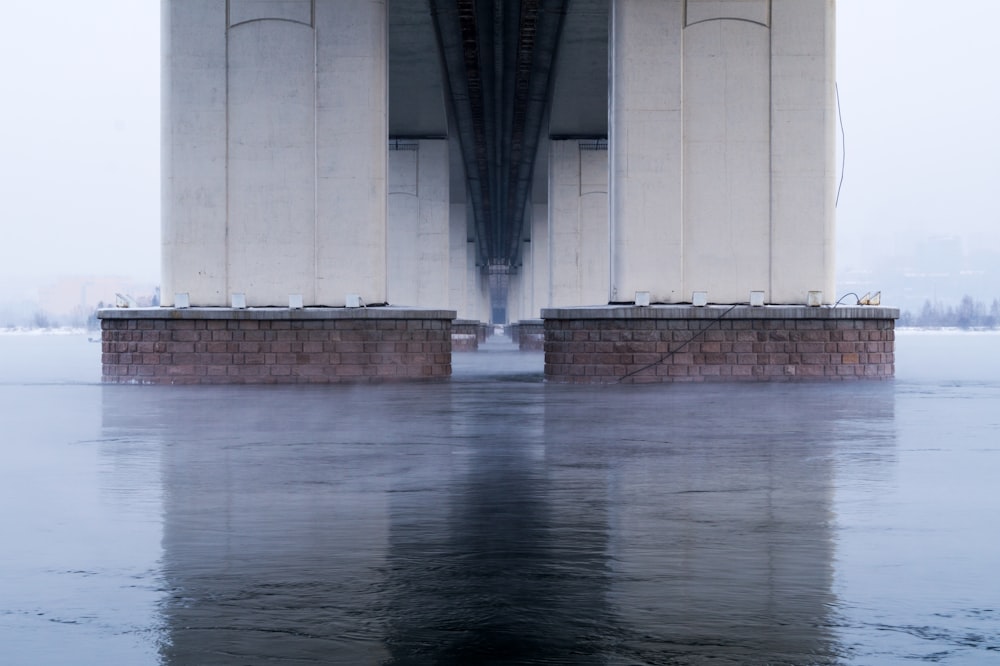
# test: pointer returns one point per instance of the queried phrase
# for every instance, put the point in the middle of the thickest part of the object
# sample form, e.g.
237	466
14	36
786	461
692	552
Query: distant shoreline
920	330
76	330
55	330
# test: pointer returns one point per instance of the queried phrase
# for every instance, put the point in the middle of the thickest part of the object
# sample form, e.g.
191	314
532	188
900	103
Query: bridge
591	163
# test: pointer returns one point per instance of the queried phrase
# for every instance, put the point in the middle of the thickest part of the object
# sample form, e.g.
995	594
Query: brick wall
530	335
695	350
465	335
273	351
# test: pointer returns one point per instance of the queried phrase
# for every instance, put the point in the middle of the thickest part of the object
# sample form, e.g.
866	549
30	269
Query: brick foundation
528	334
466	334
687	344
274	345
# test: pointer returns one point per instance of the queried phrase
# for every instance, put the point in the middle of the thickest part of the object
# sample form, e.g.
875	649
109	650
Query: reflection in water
490	520
491	564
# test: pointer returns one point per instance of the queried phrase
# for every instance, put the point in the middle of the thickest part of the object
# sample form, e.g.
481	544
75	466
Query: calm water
497	519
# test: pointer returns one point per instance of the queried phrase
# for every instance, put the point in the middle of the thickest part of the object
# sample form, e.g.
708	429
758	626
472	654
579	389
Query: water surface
498	519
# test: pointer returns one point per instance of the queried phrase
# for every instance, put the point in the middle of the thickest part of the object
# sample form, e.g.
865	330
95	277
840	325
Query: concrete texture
274	178
419	246
578	223
722	149
718	173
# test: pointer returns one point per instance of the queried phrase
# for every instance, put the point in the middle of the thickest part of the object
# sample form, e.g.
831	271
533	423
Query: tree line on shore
968	314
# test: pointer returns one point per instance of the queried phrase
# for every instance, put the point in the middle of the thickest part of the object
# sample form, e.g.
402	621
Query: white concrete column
515	309
722	149
419	219
527	270
274	179
540	258
803	169
194	210
476	304
272	143
578	224
351	130
727	150
458	260
646	131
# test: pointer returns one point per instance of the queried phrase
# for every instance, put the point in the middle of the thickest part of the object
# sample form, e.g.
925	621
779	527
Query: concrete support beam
274	179
458	260
726	153
515	297
646	144
527	271
351	55
271	175
419	224
477	297
540	258
194	155
804	148
578	224
722	149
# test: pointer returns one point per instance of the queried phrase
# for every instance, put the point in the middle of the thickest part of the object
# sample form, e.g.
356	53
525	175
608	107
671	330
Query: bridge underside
497	160
500	78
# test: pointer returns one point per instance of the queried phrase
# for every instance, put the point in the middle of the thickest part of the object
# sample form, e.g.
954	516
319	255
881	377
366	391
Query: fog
79	173
919	91
495	518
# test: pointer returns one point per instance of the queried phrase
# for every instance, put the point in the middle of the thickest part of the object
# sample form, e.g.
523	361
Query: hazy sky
79	166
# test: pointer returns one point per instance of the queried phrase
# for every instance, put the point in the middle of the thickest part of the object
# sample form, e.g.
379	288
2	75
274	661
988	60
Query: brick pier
677	343
528	334
274	345
466	334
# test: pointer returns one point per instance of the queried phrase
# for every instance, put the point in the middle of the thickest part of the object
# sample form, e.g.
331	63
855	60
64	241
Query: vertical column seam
225	295
316	215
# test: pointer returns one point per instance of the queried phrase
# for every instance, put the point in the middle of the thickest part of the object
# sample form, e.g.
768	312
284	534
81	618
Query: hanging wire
843	145
684	344
850	293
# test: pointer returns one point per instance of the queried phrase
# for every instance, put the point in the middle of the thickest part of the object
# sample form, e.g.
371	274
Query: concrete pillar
803	153
477	299
351	55
523	280
527	271
419	220
578	223
646	132
722	144
274	180
515	298
458	260
726	151
540	258
194	151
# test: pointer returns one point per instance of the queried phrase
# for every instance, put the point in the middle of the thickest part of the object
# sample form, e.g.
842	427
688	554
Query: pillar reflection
500	521
498	567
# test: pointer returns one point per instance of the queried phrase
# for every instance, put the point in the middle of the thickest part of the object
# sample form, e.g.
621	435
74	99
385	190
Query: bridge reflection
499	521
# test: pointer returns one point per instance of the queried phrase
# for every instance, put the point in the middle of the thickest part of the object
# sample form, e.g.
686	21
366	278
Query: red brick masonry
718	343
528	334
465	335
274	345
